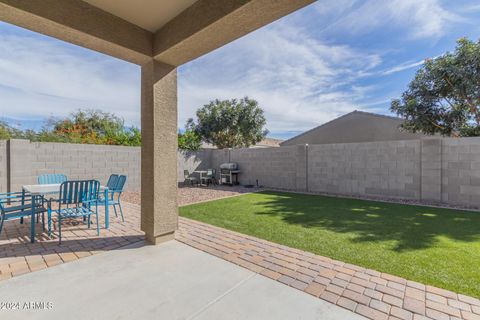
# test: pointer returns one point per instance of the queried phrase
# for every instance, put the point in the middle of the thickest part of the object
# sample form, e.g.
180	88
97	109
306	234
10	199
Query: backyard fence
441	170
438	170
22	161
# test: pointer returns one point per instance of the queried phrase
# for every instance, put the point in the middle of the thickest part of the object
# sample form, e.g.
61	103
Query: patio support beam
210	24
82	24
159	218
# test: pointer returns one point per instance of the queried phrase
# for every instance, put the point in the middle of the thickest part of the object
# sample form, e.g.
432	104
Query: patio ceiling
172	32
150	15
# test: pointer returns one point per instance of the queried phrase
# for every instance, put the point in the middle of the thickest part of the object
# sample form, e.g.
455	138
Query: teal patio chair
210	177
51	178
115	185
76	199
188	178
17	205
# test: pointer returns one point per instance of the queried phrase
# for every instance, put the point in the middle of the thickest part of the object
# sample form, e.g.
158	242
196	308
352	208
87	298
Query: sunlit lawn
440	247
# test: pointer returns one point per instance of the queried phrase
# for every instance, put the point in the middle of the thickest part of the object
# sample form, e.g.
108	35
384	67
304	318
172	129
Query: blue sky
325	60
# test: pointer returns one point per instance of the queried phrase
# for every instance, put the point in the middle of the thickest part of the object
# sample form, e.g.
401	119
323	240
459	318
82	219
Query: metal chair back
78	192
112	182
16	205
51	178
122	179
211	173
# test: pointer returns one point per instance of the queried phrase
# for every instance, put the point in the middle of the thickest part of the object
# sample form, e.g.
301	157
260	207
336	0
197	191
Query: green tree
8	132
189	141
230	123
444	96
4	131
83	126
91	127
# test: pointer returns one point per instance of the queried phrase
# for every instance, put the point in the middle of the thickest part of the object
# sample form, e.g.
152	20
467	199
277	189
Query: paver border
367	292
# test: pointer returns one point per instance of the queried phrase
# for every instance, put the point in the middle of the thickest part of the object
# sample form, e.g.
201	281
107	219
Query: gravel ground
188	195
389	200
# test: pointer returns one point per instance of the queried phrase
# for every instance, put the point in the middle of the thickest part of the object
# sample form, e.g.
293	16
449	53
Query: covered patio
200	271
159	36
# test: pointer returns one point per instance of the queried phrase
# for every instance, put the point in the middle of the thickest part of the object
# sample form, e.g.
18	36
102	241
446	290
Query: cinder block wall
438	170
191	161
441	170
81	161
272	167
460	167
387	169
77	161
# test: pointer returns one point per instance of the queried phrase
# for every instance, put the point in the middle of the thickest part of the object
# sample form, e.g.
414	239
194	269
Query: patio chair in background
115	186
112	181
51	178
188	178
16	205
210	177
76	200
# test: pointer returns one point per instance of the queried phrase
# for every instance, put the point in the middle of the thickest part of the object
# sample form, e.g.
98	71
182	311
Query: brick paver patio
367	292
19	256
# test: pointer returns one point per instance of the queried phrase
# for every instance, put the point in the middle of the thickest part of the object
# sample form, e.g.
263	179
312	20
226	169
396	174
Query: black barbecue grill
229	173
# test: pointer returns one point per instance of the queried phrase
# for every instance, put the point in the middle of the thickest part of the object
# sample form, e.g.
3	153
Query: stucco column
159	217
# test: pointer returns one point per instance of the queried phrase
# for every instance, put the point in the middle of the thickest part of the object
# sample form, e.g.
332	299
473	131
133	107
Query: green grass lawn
440	247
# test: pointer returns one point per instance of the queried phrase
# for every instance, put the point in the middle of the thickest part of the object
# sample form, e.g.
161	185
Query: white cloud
40	77
421	19
402	67
298	80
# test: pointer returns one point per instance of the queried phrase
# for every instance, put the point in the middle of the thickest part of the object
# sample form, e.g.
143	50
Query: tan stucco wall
355	127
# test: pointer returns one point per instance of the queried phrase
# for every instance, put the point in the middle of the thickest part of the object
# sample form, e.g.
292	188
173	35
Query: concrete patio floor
170	281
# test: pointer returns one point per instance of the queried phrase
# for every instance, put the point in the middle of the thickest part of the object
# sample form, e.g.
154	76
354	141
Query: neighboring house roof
356	126
268	143
265	143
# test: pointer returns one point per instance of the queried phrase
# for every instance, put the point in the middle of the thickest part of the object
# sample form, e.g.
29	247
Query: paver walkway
367	292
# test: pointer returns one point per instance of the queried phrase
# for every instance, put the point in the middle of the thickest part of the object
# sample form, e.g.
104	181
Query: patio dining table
201	174
39	191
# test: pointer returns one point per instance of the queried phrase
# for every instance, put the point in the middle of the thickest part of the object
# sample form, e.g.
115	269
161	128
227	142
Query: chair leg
21	220
121	211
59	229
49	222
98	225
1	224
115	209
88	221
43	220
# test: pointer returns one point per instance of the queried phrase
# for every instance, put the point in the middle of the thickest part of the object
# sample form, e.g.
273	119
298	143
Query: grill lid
229	166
